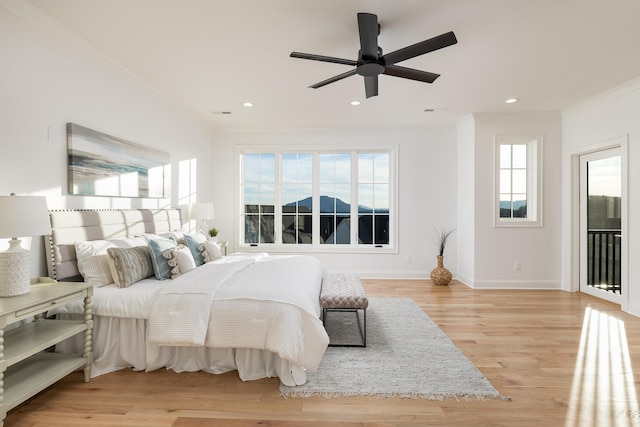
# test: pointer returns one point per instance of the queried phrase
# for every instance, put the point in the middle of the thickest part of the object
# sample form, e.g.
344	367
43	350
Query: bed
255	313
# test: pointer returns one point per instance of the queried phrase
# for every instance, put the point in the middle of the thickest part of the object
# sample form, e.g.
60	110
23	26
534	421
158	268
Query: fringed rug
407	355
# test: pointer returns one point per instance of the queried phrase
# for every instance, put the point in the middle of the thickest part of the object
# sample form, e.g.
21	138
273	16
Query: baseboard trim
544	285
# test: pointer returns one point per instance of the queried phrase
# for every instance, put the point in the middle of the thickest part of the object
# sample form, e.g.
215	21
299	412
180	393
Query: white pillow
210	251
93	261
180	260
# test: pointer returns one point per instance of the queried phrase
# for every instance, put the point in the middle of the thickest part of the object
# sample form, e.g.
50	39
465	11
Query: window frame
315	246
534	144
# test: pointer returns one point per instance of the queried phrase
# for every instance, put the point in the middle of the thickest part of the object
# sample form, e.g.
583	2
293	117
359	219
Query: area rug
407	355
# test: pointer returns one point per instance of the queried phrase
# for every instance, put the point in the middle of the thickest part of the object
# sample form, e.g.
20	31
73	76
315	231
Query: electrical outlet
517	266
409	260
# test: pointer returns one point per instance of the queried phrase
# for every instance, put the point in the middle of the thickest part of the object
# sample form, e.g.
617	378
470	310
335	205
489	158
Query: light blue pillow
193	241
161	267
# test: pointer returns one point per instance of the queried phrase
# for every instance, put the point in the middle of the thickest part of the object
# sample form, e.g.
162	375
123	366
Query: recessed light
248	104
511	100
355	102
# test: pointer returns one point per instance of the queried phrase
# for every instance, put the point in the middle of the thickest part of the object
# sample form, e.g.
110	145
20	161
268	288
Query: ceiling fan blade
368	29
371	86
438	42
323	58
410	73
333	79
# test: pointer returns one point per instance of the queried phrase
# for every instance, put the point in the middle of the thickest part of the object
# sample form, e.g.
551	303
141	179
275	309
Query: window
518	181
320	200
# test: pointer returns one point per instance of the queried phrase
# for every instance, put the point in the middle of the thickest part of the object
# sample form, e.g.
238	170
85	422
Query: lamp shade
24	216
202	211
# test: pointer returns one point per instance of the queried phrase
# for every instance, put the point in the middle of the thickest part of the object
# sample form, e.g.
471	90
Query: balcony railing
603	252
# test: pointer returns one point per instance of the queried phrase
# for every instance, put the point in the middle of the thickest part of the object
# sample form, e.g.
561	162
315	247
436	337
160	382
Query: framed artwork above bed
104	165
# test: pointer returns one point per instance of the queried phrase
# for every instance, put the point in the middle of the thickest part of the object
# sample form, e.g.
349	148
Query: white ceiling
213	55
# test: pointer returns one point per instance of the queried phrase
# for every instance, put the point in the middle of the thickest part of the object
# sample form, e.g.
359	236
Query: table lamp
20	216
202	212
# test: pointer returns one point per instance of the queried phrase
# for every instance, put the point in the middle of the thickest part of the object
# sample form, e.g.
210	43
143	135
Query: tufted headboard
70	226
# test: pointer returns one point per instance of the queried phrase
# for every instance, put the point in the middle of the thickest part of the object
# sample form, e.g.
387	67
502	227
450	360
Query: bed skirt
120	343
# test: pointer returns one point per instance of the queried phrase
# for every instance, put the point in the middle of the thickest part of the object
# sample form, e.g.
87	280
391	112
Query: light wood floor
564	359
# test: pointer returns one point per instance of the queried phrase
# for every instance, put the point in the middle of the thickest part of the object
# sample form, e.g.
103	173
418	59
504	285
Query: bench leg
362	326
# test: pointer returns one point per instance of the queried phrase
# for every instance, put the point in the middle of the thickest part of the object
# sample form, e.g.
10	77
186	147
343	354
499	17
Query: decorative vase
440	275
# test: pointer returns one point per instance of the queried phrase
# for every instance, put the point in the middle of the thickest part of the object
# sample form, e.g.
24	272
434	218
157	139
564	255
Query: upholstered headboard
70	226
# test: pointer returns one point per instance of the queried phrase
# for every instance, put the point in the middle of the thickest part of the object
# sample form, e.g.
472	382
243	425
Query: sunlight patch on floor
603	391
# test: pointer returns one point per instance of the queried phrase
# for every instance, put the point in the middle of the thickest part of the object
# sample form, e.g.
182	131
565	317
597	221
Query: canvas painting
103	165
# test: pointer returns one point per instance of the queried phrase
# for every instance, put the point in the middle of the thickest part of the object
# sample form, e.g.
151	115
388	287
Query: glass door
601	224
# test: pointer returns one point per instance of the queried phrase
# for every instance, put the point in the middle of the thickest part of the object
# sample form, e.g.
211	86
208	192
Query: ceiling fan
371	62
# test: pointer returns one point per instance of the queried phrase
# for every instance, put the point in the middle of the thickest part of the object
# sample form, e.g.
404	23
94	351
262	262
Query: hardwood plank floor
564	360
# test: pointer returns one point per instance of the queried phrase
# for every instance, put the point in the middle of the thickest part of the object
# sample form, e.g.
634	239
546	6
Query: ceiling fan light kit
372	62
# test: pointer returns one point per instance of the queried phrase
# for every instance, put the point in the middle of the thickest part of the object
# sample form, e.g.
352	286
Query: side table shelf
26	368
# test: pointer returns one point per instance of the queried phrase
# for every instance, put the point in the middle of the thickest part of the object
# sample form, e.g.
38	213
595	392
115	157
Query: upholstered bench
344	292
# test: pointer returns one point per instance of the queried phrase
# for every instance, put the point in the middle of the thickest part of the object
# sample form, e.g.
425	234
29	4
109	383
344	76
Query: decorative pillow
180	260
210	251
161	268
92	258
193	241
130	265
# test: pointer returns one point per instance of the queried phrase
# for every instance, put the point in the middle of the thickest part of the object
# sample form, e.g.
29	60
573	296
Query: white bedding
258	311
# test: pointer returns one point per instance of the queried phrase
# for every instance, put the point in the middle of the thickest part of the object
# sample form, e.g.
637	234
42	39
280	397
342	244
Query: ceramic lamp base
14	270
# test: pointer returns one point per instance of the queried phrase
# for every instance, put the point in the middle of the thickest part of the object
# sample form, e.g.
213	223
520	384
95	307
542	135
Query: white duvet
251	301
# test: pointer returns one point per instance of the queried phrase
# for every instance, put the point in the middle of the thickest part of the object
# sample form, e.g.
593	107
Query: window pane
267	167
305	231
251	167
327	198
327	228
382	229
381	168
519	156
289	167
289	194
251	193
343	198
251	228
267	233
365	167
343	230
305	196
267	195
505	205
381	198
519	181
365	229
296	229
519	205
505	156
343	168
289	229
505	181
305	167
365	198
327	168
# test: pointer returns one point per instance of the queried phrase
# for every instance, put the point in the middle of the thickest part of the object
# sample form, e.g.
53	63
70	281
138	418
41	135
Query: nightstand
26	367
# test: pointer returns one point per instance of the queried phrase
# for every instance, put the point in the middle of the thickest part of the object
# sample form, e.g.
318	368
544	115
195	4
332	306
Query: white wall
605	117
427	191
47	79
466	195
495	250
